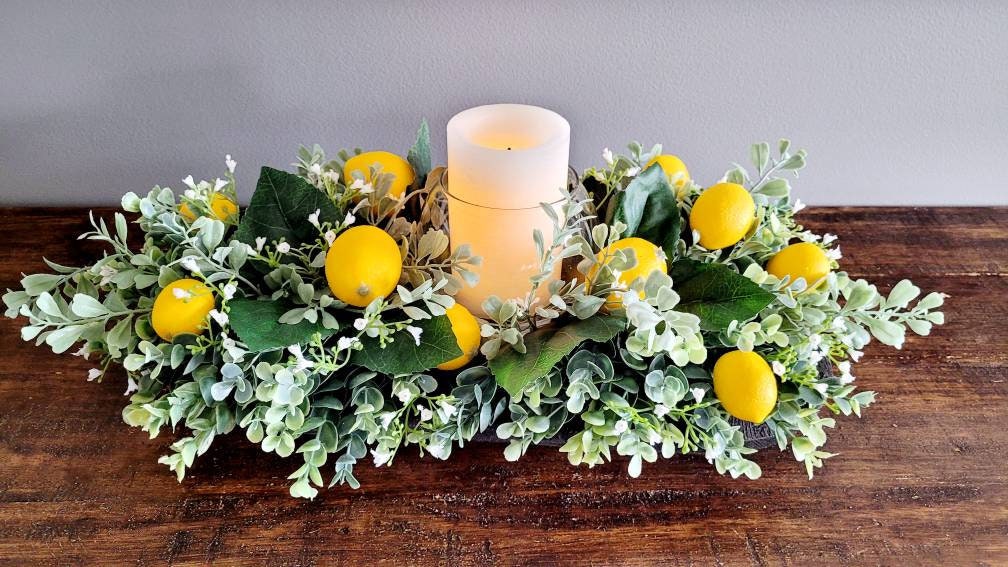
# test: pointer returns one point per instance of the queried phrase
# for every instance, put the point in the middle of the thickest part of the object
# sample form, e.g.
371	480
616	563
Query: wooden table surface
921	479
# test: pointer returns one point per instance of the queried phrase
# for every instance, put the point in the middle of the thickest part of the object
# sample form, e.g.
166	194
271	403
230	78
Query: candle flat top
508	127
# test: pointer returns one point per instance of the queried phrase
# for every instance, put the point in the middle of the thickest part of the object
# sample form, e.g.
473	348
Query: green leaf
48	305
760	155
280	207
35	284
419	155
888	332
716	293
86	306
649	208
257	325
546	347
404	356
775	188
63	338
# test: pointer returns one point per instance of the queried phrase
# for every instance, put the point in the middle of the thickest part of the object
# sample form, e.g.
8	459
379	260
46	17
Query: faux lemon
802	260
186	211
672	166
181	308
723	214
467	335
649	259
362	264
221	207
745	385
387	162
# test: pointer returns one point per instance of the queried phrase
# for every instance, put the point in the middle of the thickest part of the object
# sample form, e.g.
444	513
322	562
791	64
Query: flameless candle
503	161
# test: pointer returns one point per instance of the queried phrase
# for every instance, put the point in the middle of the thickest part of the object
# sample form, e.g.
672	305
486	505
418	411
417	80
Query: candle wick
509	147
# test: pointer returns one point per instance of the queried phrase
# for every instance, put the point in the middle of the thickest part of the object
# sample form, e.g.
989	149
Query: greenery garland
608	363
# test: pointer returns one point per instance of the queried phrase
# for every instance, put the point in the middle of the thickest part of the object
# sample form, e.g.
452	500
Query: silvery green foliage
647	411
833	321
645	394
428	258
509	320
808	323
307	398
606	398
656	327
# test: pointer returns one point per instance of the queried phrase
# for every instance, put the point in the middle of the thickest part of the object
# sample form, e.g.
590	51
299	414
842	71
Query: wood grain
920	480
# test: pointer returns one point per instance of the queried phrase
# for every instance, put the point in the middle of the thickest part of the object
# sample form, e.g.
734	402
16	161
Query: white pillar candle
503	161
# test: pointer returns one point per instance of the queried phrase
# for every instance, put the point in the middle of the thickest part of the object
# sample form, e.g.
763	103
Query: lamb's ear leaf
419	155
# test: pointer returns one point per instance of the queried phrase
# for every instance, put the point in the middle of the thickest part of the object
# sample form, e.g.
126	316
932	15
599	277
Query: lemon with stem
363	264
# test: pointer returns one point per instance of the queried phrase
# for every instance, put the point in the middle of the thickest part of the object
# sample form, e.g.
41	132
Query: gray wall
897	102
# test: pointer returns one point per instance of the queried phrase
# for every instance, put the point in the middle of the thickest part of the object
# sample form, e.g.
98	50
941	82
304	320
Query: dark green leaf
280	207
404	356
649	208
419	155
546	347
257	325
596	190
716	293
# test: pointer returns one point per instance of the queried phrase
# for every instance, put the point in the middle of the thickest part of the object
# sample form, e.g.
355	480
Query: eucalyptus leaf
63	338
887	332
760	155
35	284
48	305
775	188
86	306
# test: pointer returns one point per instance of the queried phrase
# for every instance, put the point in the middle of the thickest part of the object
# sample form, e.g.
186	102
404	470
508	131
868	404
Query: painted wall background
902	102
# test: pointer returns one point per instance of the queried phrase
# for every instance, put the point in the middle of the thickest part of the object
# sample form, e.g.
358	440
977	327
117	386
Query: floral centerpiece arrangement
320	321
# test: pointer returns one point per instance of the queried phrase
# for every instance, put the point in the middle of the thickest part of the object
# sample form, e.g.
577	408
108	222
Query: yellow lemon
649	259
362	264
222	207
745	385
467	335
672	166
186	211
387	162
802	260
181	308
723	214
